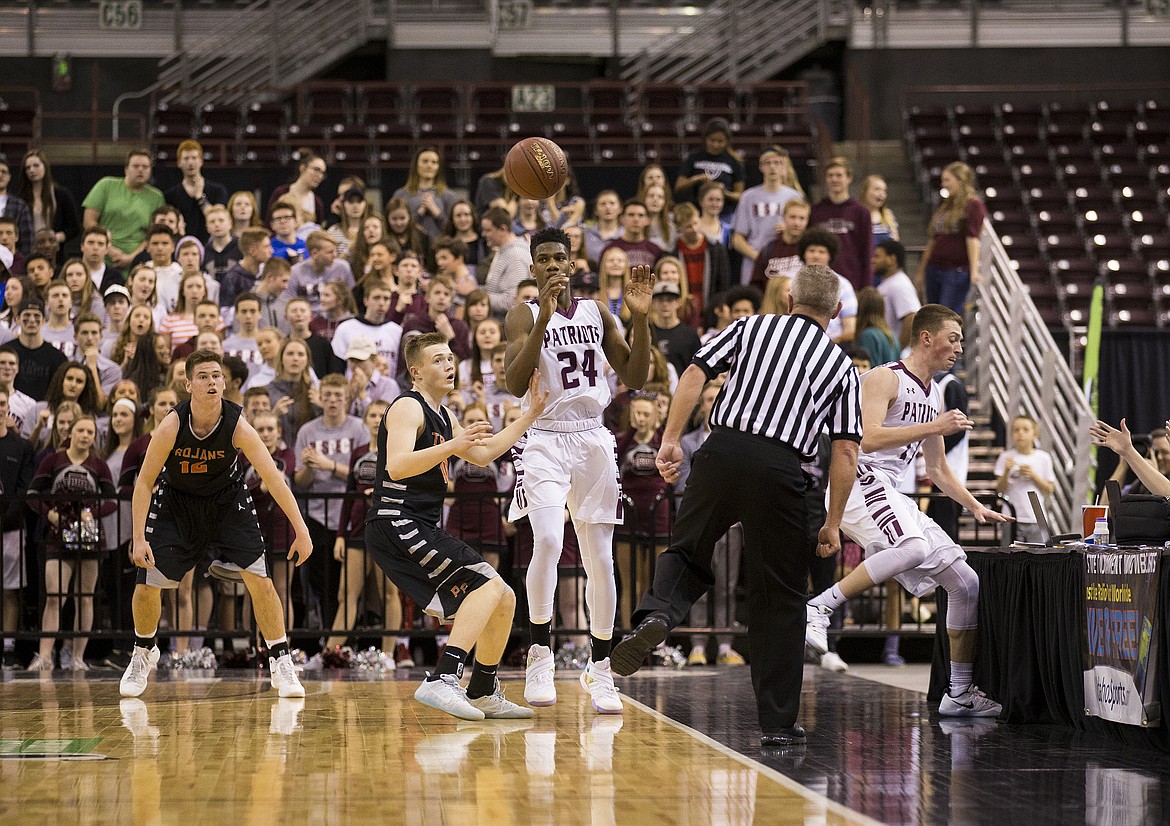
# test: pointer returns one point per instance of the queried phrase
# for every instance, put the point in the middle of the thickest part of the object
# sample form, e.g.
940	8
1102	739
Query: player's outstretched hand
537	398
302	549
983	515
952	421
142	555
669	461
1116	439
474	435
639	288
828	541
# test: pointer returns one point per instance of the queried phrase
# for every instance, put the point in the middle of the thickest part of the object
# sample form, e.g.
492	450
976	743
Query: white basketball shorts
578	469
878	517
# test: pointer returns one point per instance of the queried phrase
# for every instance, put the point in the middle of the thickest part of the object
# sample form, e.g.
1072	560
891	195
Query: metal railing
734	41
1018	368
302	38
210	608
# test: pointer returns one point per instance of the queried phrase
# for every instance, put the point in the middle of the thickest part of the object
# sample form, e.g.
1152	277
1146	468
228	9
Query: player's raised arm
631	362
248	440
526	336
157	451
493	447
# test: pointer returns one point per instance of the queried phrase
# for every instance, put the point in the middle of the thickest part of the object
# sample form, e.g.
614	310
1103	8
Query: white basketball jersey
915	403
572	364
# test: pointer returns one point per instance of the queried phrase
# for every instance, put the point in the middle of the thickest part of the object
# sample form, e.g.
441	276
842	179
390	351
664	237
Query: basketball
536	168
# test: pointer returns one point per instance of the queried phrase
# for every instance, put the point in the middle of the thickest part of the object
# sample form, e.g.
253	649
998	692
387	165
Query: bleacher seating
381	124
1079	192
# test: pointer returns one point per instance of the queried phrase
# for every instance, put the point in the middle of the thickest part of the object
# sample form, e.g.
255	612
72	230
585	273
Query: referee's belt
569	426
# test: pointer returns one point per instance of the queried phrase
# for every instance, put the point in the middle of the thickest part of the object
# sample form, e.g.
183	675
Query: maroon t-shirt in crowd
949	250
853	226
277	531
643	484
477	519
778	258
640	253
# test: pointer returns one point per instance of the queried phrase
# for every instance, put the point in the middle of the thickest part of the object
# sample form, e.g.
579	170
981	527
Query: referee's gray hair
817	288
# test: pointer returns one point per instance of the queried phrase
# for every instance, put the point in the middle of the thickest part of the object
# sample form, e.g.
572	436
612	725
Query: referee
786	382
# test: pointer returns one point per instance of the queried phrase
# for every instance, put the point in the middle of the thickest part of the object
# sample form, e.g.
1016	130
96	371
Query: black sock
483	680
146	642
541	634
278	650
450	663
599	648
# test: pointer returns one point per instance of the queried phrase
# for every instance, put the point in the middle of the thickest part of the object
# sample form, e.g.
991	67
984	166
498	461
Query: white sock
403	641
271	643
724	648
961	676
832	598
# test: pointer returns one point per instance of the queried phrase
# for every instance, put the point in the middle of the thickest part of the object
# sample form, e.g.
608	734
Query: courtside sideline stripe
787	782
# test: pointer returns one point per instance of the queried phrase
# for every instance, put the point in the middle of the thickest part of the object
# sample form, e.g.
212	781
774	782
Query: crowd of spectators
310	301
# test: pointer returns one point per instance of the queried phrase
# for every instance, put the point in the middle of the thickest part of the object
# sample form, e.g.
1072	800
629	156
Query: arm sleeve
67	219
976	213
955	398
845	414
96	199
1000	464
718	354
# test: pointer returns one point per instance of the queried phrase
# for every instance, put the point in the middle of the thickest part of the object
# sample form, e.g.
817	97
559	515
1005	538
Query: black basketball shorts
431	567
183	530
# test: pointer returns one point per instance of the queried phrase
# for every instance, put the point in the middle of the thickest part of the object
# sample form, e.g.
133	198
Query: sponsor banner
1120	652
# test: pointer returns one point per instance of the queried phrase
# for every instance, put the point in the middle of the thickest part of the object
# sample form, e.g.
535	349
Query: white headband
129	403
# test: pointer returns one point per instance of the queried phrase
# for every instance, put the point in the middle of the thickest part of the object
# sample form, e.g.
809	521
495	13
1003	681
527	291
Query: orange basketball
536	168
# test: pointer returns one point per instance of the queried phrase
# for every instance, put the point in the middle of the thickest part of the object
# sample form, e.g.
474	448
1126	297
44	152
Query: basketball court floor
222	749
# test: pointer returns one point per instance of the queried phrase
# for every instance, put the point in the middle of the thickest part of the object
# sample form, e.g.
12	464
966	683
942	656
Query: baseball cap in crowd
585	282
31	304
354	193
115	290
361	348
6	257
666	288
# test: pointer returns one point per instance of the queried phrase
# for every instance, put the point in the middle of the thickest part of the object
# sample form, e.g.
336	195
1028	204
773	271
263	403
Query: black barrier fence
75	582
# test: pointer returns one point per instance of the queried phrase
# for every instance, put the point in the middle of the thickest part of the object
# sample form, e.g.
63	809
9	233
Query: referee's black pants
737	477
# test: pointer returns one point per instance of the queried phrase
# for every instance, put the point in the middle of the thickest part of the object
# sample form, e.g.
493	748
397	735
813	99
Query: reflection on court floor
194	750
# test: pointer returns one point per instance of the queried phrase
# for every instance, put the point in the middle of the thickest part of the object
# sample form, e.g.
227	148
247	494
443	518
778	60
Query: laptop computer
1053	540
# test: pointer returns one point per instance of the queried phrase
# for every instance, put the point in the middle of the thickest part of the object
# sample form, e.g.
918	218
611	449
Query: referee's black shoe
628	655
791	736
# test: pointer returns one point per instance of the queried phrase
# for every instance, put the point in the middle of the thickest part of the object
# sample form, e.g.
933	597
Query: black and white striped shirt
786	380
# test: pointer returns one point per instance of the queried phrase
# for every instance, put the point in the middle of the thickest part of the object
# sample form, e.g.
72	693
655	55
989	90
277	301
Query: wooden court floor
225	750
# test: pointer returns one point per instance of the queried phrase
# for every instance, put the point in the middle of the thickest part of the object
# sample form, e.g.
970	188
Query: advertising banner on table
1120	652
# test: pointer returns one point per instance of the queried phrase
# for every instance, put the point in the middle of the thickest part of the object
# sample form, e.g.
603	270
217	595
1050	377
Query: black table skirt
1031	617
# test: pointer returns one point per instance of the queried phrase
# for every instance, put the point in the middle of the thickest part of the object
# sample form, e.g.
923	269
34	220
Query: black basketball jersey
207	466
419	496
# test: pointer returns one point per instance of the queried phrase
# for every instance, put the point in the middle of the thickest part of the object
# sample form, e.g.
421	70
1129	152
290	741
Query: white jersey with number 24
572	364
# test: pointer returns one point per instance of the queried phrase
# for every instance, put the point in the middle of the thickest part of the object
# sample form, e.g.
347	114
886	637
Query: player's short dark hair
931	317
892	247
416	344
550	235
817	237
202	357
744	292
